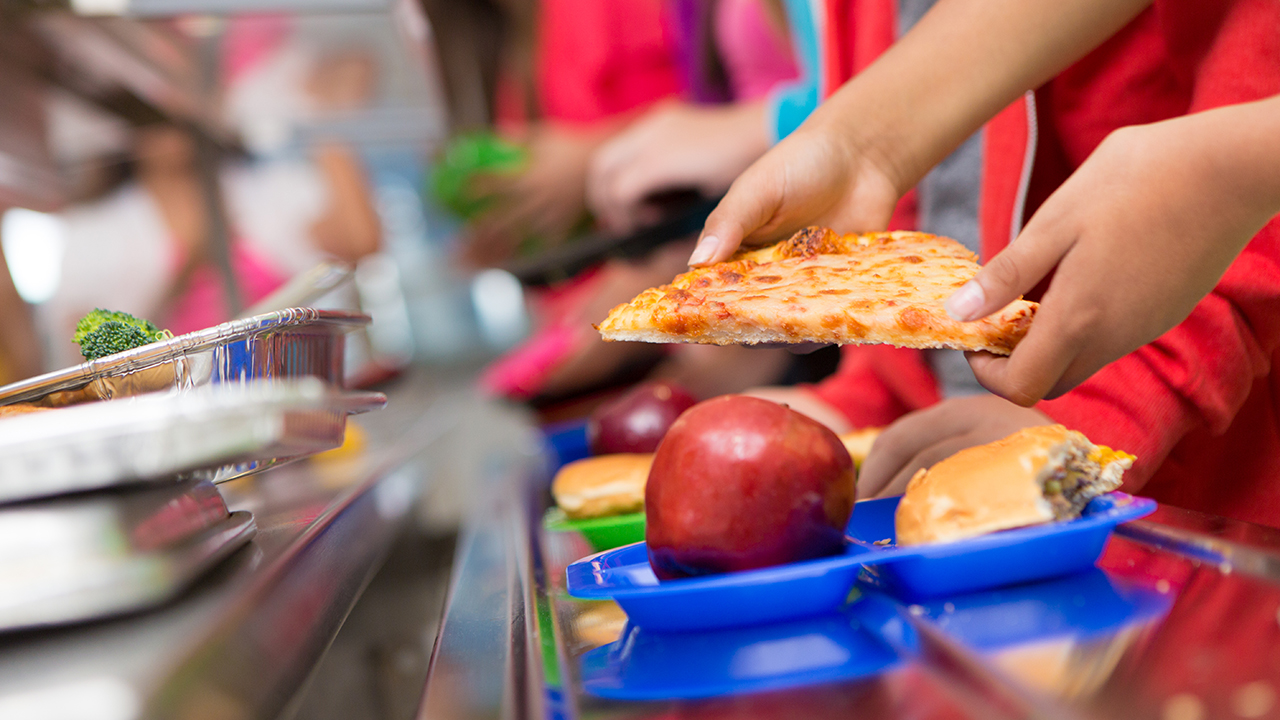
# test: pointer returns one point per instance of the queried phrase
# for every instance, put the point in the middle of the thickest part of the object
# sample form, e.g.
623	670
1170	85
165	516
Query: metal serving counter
1182	622
244	639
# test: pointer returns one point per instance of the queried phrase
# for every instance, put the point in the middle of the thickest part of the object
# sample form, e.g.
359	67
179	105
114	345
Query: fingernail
705	250
965	303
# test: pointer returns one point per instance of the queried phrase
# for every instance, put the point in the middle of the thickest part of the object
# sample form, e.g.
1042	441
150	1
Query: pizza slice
824	288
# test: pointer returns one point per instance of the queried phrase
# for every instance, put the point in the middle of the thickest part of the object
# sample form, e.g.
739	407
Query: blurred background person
141	243
606	65
570	75
740	67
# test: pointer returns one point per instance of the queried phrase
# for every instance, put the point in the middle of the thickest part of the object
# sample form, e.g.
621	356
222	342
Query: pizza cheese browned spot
826	288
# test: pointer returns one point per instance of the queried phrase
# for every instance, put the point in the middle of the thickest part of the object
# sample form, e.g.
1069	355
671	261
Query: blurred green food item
465	158
106	332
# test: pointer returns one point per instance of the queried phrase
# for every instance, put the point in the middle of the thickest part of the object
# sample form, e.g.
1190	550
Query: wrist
1236	152
869	148
1253	160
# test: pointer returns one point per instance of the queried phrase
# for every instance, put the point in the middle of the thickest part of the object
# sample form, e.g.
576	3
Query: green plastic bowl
603	533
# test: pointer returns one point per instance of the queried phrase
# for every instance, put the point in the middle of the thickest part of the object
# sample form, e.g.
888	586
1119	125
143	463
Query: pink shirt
204	305
756	53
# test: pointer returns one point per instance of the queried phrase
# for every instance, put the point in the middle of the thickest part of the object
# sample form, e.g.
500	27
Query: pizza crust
822	287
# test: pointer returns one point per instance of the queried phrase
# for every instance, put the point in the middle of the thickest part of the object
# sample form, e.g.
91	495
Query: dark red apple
741	483
636	422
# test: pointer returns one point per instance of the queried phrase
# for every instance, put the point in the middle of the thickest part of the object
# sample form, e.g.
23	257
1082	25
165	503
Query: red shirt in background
595	61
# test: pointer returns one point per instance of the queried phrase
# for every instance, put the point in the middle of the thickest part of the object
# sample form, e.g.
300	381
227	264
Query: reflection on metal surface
102	698
646	665
593	622
490	659
1066	668
1060	638
1241	546
1220	635
88	557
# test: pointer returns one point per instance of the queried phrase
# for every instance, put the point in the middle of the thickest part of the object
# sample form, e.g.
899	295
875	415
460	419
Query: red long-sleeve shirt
1198	406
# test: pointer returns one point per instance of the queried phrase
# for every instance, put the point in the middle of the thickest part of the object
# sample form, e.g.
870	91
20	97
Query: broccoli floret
112	337
104	332
90	322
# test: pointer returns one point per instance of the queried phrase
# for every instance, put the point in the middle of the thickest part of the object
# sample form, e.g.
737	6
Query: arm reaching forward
873	140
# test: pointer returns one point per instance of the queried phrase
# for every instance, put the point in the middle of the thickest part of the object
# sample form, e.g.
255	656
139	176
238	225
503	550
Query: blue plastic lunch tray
820	586
867	638
567	442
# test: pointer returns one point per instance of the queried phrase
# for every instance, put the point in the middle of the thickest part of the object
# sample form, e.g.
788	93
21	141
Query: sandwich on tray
1037	475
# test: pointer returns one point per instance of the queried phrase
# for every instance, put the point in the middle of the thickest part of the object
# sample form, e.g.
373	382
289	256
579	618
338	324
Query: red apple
741	483
636	421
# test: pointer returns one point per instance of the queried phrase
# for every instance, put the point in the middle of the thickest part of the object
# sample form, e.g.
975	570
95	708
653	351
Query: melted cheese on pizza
822	287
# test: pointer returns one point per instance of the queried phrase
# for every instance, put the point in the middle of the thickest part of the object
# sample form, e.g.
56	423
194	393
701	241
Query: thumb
749	204
1013	272
1037	366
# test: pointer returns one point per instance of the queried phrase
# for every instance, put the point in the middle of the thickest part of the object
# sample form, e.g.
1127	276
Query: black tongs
684	213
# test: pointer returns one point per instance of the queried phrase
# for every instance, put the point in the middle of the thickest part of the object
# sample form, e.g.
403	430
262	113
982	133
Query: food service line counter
1181	622
244	639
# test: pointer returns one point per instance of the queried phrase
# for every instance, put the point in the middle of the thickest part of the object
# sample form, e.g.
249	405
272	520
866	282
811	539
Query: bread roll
603	485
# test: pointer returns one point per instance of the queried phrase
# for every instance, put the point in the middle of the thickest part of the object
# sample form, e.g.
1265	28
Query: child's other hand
924	437
1139	234
545	201
675	146
816	176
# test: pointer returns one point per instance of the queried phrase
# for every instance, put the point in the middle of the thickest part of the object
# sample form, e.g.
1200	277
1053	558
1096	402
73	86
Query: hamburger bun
603	485
1036	475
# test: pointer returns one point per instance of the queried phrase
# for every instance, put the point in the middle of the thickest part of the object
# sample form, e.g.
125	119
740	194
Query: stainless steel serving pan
290	343
223	431
87	557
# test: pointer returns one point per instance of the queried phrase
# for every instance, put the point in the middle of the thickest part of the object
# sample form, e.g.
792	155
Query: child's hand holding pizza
1139	234
815	176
